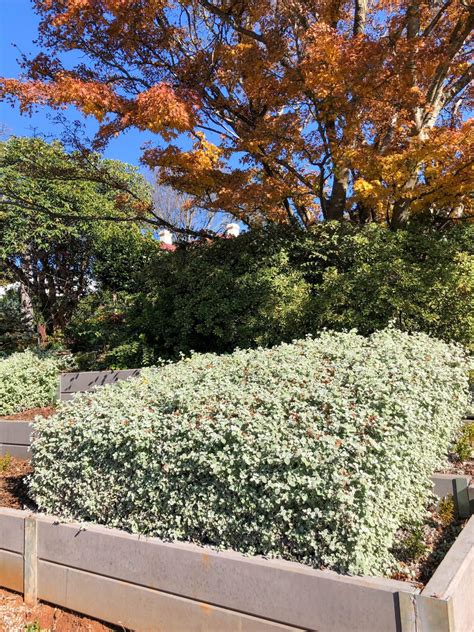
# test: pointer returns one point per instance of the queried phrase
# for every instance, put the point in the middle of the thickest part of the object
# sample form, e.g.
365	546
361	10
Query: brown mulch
16	616
30	414
13	491
455	466
420	550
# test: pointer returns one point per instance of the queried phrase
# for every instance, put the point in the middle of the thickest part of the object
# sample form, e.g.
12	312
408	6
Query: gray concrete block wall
84	381
141	608
11	570
18	451
12	530
291	594
12	542
443	484
15	438
146	584
452	584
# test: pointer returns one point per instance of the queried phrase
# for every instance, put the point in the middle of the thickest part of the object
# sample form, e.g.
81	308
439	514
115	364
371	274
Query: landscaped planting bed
417	550
147	584
29	380
30	414
318	451
16	429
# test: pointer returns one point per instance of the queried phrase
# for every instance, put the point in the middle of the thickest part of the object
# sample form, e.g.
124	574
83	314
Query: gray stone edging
146	584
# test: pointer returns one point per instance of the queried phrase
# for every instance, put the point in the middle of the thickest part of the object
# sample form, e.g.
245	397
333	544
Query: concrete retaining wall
12	547
447	602
84	381
146	584
456	486
15	438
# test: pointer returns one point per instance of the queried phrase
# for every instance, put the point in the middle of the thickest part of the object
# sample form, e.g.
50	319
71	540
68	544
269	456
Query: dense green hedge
277	284
316	451
29	380
421	280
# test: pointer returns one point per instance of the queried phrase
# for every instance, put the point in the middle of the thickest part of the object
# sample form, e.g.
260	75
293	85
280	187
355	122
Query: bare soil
30	414
13	491
16	616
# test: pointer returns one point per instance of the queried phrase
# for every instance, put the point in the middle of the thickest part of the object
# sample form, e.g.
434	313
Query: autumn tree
276	110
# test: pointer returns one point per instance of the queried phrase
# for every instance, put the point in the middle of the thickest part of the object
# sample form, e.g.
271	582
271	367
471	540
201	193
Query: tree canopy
55	208
275	110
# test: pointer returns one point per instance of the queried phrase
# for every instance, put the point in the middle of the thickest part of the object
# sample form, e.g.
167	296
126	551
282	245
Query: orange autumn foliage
291	110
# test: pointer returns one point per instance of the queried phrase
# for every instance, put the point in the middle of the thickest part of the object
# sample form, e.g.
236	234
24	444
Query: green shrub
464	446
315	451
109	330
29	380
233	293
277	284
212	297
420	280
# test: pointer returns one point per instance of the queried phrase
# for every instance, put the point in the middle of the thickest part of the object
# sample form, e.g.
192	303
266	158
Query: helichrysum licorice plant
315	451
29	380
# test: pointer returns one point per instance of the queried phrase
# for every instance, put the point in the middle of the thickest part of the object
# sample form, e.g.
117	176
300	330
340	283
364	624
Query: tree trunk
401	208
400	214
26	307
337	202
360	15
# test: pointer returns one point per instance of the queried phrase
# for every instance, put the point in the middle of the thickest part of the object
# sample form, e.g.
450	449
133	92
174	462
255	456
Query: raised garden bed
419	551
144	583
16	429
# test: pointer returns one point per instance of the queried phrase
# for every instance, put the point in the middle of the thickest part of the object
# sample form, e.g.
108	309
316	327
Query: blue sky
18	25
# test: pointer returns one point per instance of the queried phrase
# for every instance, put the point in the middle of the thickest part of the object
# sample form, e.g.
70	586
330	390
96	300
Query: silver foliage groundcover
315	451
29	380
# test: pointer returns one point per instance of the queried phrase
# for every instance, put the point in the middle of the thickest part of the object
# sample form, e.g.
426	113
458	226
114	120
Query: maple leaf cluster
276	110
